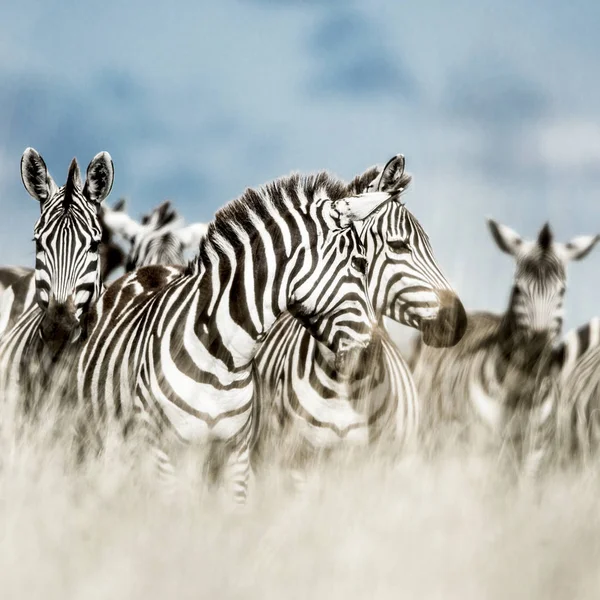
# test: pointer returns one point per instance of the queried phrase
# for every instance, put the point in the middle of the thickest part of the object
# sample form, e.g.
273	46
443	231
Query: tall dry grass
451	525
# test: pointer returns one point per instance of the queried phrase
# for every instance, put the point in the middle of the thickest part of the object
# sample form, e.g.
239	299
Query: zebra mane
361	182
73	183
163	215
236	214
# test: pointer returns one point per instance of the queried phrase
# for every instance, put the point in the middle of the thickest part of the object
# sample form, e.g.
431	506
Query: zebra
574	388
67	273
487	385
309	407
17	284
8	276
171	348
159	239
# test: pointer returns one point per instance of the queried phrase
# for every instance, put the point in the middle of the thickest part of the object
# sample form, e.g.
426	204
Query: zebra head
67	237
536	302
159	239
405	282
329	292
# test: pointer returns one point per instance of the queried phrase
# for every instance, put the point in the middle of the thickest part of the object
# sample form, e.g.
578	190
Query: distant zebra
487	385
309	406
19	293
160	239
575	390
8	275
172	348
67	274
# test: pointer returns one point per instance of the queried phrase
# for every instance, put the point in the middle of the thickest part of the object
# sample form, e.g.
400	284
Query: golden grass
453	526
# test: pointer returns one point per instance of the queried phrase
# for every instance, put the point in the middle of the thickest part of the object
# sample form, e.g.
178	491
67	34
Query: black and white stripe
306	400
488	385
67	272
575	390
19	293
173	348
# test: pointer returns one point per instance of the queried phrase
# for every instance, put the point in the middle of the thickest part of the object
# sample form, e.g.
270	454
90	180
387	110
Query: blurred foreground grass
455	526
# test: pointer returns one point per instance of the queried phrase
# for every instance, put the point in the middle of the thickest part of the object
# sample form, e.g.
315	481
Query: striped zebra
487	385
67	273
17	284
161	238
575	391
172	348
310	408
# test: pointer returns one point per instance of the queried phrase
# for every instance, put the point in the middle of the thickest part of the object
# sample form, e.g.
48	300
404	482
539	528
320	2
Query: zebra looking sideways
160	239
67	272
310	407
487	384
172	348
17	284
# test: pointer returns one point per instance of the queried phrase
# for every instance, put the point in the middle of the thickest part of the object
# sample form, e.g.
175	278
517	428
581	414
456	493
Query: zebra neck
240	298
521	348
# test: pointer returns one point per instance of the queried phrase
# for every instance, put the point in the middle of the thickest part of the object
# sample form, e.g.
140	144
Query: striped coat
486	387
309	406
67	275
171	350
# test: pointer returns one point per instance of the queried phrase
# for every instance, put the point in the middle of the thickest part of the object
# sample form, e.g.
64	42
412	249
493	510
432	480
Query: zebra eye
94	245
360	263
399	246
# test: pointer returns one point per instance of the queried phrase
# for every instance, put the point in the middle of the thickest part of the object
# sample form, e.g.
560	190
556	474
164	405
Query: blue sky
495	104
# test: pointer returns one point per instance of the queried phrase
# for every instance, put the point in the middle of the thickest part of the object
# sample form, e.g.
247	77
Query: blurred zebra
8	276
159	239
487	385
17	284
172	348
575	390
310	407
67	273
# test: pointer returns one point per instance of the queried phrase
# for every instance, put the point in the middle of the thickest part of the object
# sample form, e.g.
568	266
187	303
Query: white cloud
566	144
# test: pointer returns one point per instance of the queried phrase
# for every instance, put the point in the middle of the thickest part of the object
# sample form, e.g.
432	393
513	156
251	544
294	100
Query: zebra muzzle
60	322
450	325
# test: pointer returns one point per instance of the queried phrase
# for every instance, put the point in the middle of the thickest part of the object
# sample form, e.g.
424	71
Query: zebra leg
237	473
295	463
160	462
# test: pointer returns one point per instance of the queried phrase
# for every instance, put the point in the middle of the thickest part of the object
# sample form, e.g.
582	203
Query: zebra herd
272	335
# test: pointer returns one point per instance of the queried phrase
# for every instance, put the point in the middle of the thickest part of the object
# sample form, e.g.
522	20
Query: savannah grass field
369	525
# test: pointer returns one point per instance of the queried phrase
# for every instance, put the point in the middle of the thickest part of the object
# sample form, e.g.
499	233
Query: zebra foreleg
236	474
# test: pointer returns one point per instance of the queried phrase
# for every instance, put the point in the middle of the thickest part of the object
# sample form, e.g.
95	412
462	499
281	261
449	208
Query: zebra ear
578	247
119	205
357	208
390	179
191	235
99	178
36	179
120	223
508	241
164	214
